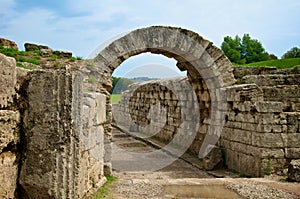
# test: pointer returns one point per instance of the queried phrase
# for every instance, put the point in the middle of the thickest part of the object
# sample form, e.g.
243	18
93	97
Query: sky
81	26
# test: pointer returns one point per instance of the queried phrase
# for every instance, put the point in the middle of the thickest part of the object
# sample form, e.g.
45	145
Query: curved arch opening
208	71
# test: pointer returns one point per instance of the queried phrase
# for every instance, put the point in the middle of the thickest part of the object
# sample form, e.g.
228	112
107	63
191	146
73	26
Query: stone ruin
261	131
55	124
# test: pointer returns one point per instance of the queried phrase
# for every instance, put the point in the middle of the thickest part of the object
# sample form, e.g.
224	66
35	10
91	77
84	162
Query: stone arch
208	69
192	52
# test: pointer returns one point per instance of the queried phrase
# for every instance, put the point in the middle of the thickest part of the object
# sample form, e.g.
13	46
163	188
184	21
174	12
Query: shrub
33	61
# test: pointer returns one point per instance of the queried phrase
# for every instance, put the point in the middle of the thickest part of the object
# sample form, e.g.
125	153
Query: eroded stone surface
294	170
7	80
8	174
62	158
8	43
9	132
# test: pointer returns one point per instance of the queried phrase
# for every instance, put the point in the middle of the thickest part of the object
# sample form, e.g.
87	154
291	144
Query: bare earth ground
182	180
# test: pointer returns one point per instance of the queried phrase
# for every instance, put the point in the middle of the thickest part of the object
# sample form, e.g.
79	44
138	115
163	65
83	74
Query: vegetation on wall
34	57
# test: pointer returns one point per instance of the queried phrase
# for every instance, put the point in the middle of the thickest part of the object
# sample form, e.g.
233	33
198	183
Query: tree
273	57
292	53
244	50
120	84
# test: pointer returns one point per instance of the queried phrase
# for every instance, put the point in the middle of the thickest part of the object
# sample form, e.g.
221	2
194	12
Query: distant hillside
142	79
280	63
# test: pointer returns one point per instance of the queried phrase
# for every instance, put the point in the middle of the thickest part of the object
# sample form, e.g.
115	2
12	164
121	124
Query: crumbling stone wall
261	133
63	156
9	129
51	133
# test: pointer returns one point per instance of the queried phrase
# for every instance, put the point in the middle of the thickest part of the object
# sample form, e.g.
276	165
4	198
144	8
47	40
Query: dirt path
180	179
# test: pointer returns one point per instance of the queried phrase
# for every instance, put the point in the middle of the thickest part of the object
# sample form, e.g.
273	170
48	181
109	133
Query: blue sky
81	26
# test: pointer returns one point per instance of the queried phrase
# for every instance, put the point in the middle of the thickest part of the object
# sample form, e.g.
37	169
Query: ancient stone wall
9	129
63	155
51	133
163	108
261	132
55	124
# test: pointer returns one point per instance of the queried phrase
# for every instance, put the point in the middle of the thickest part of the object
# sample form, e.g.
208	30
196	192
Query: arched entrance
208	71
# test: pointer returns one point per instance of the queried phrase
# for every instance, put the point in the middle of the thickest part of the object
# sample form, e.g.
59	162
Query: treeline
246	50
121	84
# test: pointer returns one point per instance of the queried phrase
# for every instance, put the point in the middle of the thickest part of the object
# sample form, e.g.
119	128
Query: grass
115	98
280	63
26	67
92	80
103	191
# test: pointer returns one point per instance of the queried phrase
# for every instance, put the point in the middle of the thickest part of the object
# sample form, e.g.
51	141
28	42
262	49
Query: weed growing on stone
103	191
92	80
269	165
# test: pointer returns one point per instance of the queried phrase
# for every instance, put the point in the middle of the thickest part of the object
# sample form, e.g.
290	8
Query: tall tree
244	50
292	53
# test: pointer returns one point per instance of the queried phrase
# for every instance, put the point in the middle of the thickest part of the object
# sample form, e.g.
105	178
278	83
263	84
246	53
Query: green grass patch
10	52
33	60
280	63
103	191
115	98
19	65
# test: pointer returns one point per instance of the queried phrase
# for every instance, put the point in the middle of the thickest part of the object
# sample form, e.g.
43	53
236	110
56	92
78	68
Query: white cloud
274	23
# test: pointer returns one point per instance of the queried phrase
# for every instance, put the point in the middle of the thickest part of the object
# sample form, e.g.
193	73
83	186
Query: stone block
31	47
61	158
213	160
8	80
244	92
9	134
94	109
267	140
244	164
294	170
242	136
269	107
292	152
8	43
291	140
8	175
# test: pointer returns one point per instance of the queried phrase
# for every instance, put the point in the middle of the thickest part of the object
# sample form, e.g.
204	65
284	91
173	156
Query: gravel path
254	190
139	190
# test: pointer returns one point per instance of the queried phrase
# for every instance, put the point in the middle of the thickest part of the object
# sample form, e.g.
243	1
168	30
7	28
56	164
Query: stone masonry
9	129
55	124
261	132
63	157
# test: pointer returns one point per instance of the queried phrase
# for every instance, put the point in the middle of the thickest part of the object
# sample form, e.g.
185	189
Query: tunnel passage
208	70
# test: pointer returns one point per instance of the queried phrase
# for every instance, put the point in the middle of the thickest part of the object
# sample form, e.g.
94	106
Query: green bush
73	58
54	57
33	61
10	52
21	59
